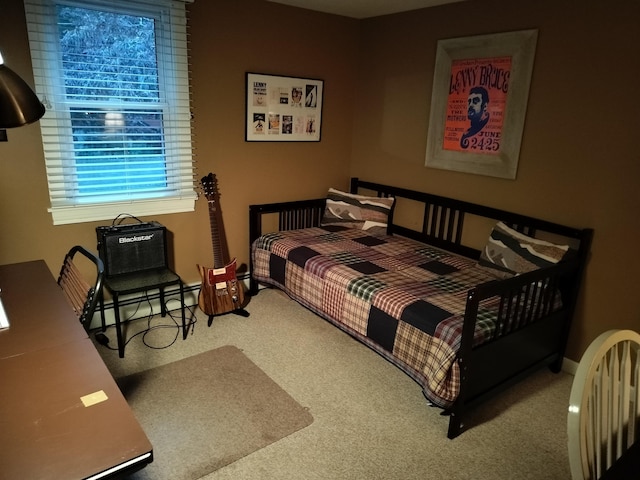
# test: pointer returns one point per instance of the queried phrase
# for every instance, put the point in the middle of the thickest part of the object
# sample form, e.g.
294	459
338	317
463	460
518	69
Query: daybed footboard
530	334
535	308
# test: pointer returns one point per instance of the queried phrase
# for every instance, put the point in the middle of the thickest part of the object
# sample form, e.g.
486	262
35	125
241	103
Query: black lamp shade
19	105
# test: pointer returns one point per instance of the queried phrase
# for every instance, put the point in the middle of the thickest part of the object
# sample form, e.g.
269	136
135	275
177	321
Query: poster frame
520	46
304	122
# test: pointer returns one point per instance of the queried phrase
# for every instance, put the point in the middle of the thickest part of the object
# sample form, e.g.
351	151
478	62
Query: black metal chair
83	295
136	260
128	283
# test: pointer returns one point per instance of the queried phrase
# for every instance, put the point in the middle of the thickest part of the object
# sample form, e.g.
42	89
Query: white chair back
604	407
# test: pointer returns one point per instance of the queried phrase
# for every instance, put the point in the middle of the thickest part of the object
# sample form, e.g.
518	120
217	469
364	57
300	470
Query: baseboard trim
569	366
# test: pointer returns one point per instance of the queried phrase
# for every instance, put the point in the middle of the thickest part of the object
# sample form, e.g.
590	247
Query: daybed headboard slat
522	223
442	223
454	231
300	218
291	215
524	229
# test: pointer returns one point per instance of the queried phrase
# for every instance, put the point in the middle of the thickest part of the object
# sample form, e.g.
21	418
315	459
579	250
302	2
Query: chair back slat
82	295
75	287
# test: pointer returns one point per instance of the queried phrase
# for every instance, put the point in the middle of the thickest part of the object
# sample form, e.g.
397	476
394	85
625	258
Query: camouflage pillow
357	211
511	252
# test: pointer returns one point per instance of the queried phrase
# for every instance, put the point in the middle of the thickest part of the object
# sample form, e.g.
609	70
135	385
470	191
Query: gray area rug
207	411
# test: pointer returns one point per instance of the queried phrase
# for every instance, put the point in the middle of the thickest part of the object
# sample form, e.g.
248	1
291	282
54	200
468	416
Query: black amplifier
132	248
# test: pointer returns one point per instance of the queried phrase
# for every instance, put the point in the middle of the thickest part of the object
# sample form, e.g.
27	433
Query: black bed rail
539	304
443	242
444	216
291	216
525	298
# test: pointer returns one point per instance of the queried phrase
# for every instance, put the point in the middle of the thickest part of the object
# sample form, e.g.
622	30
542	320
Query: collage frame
283	108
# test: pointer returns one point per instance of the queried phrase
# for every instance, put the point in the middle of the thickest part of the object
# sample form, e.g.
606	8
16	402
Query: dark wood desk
39	315
47	368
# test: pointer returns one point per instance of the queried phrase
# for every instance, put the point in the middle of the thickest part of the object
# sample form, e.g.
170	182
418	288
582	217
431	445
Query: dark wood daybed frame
518	350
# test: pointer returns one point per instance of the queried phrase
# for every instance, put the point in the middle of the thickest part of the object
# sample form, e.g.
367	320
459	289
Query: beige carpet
370	420
207	411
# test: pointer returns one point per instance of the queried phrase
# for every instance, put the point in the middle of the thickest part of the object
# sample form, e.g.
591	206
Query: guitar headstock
210	187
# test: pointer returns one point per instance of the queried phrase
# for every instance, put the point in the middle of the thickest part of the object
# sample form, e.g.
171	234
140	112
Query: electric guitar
220	291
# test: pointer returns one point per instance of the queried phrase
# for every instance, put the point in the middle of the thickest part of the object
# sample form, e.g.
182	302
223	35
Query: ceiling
363	8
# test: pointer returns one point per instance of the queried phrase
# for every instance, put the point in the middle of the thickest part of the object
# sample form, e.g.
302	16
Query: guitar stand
239	311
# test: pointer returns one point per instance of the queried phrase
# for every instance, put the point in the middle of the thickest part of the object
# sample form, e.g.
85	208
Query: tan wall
577	165
579	161
230	38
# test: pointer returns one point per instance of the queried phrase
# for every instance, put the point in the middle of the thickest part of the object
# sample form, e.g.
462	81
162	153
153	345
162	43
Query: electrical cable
124	217
102	339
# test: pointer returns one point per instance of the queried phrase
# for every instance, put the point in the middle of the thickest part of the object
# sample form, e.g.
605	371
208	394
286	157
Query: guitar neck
218	237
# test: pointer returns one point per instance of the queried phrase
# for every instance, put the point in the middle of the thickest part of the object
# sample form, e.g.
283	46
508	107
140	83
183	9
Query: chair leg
102	319
184	317
116	313
163	307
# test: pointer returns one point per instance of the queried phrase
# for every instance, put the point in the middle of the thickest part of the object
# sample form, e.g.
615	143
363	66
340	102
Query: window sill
109	211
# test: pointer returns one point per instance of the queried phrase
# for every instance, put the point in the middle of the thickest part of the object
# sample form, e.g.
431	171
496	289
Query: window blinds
117	130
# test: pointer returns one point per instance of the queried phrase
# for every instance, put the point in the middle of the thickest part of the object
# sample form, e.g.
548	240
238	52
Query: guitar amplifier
132	248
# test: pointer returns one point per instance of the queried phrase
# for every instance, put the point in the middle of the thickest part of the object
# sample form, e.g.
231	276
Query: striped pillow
511	252
357	211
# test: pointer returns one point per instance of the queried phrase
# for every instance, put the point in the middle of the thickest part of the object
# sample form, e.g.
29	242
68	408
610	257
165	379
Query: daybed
397	270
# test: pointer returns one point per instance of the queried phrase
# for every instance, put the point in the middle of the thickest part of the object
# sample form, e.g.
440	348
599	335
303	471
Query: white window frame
56	126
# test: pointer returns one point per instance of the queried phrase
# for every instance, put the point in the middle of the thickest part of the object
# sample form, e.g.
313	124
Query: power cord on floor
103	339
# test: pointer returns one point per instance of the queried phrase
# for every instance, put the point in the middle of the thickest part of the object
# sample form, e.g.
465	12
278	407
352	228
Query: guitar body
220	291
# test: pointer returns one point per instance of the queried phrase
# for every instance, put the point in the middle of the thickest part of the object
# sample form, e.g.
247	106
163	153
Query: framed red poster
479	102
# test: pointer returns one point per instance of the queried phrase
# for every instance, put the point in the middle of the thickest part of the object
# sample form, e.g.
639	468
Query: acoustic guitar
220	291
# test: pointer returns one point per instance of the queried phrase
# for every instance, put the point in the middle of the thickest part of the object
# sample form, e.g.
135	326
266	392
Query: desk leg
116	314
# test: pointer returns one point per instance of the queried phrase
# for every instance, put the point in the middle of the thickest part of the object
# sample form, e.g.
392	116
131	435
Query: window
114	78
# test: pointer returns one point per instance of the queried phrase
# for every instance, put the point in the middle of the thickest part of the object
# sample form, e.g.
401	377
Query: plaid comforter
404	299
